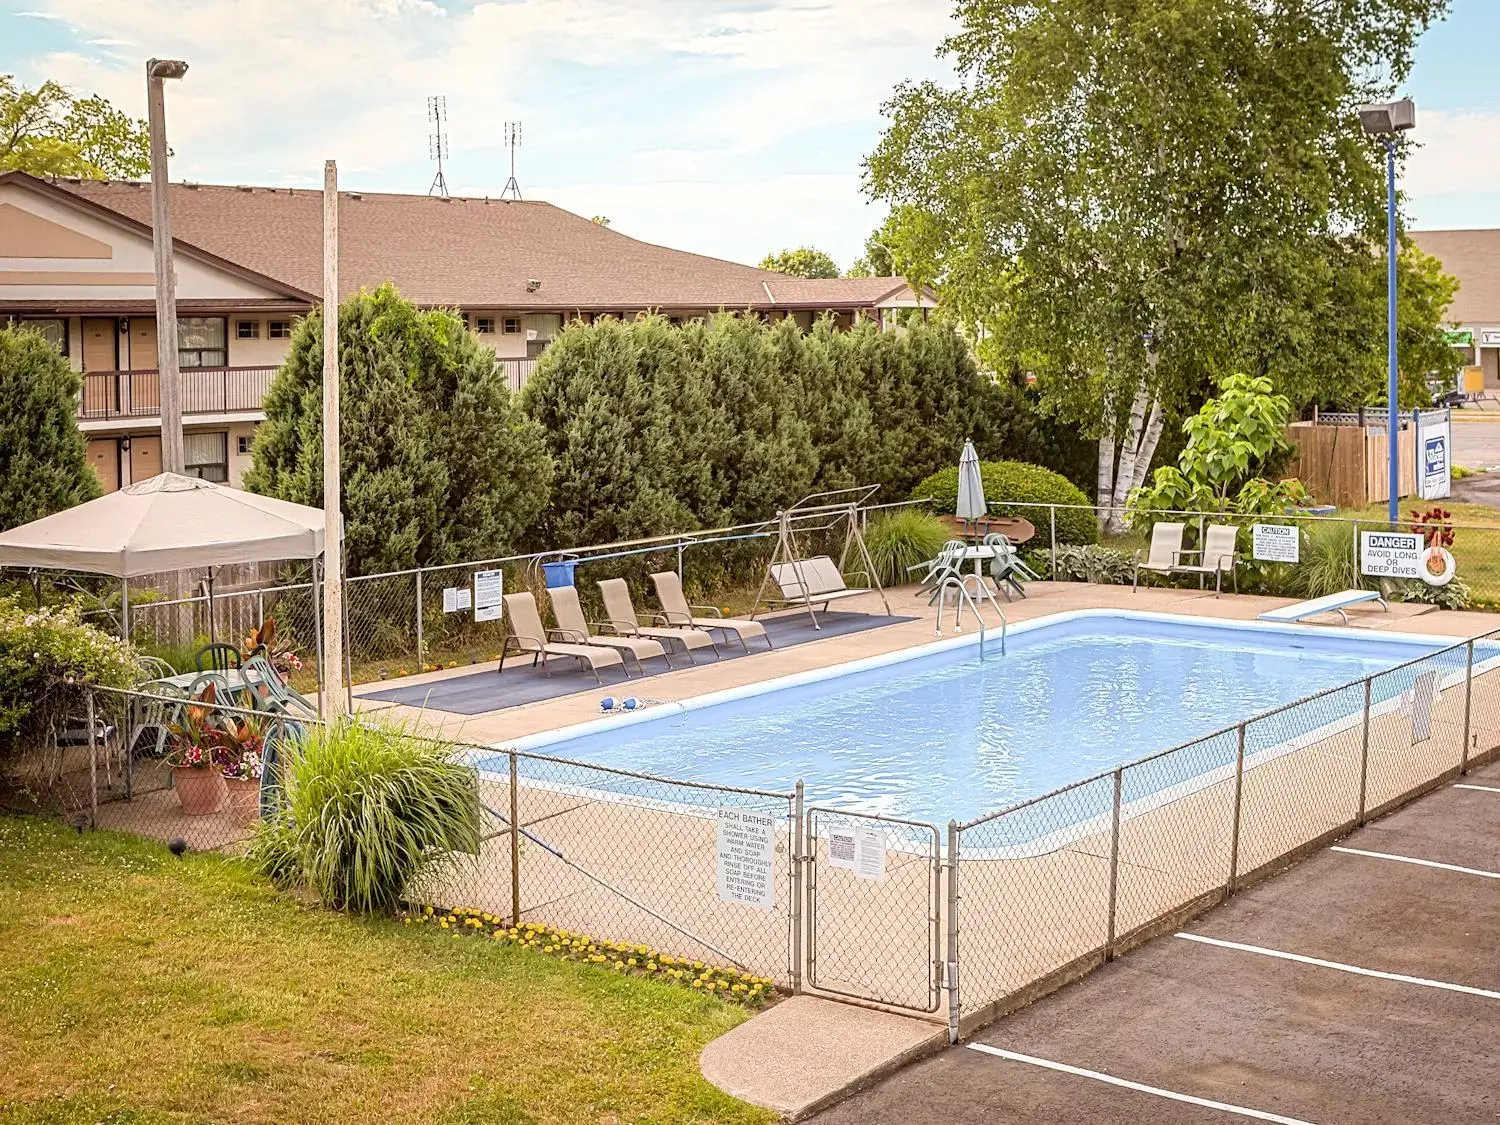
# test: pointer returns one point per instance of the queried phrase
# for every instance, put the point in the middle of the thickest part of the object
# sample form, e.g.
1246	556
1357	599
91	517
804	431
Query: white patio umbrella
971	506
168	522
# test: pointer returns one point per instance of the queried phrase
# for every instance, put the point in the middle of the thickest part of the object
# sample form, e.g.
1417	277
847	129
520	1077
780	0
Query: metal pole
93	764
1052	519
1463	760
1114	864
1393	443
955	1008
125	610
421	648
317	596
1364	756
515	843
1239	791
333	602
799	808
169	387
679	561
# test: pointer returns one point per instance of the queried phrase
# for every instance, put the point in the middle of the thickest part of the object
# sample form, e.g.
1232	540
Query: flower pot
244	799
201	791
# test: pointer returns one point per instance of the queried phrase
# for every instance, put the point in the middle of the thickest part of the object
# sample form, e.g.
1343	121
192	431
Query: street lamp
1388	122
169	389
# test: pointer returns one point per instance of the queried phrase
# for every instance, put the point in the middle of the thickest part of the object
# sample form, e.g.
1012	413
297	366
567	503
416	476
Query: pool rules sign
747	858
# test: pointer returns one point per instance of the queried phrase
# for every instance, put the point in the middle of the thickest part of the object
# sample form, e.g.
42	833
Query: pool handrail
960	583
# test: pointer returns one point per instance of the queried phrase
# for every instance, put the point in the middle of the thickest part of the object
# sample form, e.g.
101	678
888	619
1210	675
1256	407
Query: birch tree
1126	197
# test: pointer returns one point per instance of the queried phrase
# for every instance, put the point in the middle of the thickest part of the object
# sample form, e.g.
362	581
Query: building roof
474	253
1472	256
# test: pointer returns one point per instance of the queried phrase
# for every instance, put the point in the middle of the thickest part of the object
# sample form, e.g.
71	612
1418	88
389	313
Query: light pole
1388	122
169	388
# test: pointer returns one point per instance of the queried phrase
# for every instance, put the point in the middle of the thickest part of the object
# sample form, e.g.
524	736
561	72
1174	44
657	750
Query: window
512	325
278	330
207	456
243	443
56	331
247	330
201	341
484	325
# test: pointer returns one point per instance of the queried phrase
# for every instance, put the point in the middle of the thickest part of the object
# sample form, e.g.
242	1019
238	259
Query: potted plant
262	640
197	757
243	743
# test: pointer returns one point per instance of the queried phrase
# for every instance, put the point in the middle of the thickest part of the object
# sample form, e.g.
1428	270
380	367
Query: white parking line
1031	1060
1480	788
1467	989
1419	862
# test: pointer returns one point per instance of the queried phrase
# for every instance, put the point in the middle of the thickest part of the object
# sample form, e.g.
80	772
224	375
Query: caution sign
747	858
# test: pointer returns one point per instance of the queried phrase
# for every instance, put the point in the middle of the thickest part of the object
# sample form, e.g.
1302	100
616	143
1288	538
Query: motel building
76	263
1473	257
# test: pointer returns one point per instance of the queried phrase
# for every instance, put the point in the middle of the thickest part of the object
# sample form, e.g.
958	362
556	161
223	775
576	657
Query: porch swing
818	580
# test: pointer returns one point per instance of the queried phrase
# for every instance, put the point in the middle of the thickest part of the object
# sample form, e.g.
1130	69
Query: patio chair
573	627
1215	556
527	635
266	684
157	710
677	611
947	563
217	657
1163	554
1006	567
620	616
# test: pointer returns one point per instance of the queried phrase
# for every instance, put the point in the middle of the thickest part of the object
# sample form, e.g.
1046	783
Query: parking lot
1361	986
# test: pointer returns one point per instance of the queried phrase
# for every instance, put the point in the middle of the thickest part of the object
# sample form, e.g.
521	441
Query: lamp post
169	387
1388	122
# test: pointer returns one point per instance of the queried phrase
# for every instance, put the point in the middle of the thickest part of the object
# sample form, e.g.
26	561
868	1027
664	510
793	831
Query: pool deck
504	725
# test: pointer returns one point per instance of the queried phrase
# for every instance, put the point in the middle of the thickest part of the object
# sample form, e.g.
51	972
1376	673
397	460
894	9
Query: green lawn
135	987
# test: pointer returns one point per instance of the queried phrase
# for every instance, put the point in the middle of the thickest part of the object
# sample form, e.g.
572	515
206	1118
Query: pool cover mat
483	691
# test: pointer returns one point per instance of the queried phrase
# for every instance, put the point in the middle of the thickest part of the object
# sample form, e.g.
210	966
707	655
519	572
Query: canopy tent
166	523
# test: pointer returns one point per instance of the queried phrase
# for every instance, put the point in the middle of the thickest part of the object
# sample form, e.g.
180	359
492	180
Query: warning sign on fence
747	858
1390	554
858	849
1275	542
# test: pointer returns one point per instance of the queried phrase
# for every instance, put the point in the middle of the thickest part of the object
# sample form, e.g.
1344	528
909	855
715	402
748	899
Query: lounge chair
527	635
573	627
812	582
1162	556
1215	556
620	616
676	611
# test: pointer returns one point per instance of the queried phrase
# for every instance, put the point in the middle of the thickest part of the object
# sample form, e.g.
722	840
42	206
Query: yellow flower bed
636	960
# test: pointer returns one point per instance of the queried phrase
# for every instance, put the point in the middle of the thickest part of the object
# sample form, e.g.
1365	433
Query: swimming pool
938	732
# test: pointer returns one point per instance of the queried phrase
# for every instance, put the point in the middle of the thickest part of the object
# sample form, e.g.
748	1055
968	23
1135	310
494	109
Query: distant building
76	261
1472	256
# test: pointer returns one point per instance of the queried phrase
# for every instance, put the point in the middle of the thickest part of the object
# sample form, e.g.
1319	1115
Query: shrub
1014	488
1106	566
1455	595
46	656
901	539
1328	562
44	454
367	811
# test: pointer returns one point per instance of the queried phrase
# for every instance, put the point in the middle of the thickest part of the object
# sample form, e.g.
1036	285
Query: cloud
38	16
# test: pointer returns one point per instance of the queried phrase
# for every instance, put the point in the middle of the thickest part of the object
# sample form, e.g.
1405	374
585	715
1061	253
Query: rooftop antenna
512	189
437	142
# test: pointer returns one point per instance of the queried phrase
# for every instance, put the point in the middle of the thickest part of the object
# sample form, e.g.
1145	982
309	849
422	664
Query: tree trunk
1129	453
1106	475
1149	442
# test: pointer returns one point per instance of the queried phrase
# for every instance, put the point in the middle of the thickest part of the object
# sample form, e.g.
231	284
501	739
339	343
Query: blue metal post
1393	417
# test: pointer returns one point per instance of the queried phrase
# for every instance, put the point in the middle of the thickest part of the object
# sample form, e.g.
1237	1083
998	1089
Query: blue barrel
559	573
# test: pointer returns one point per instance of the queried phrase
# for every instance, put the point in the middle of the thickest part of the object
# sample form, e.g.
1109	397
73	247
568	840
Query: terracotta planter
244	799
201	791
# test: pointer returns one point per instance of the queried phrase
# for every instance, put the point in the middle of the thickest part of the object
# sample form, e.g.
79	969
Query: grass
135	987
1476	541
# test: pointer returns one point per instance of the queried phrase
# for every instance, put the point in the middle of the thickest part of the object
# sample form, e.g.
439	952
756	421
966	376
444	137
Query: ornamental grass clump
367	812
903	539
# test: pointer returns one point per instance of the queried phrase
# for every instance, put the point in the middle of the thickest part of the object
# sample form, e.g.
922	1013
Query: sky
727	127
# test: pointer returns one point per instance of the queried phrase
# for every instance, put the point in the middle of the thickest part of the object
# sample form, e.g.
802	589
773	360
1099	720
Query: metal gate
874	894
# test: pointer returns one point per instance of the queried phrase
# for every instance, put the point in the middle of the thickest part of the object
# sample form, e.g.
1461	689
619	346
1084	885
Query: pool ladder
960	586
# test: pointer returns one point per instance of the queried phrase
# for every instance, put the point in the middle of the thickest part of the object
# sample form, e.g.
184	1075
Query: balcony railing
517	371
205	390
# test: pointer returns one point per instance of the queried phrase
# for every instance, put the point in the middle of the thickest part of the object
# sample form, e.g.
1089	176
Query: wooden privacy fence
1347	465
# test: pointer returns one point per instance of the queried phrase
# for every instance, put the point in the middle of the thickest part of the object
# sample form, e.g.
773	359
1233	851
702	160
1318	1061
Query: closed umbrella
971	506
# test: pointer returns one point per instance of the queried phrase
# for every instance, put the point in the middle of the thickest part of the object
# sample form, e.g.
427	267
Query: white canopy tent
166	523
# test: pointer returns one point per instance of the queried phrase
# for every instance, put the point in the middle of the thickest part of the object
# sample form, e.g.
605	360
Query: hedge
1022	486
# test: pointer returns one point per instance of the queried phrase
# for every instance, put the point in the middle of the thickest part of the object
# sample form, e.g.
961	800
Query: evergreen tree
44	464
438	466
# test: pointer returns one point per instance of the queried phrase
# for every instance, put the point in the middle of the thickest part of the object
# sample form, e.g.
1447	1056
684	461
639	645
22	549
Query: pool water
950	735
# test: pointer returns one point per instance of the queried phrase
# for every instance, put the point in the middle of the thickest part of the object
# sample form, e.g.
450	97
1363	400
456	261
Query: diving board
1330	603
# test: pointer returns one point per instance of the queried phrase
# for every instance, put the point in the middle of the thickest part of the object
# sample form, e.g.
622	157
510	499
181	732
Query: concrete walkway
799	1056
